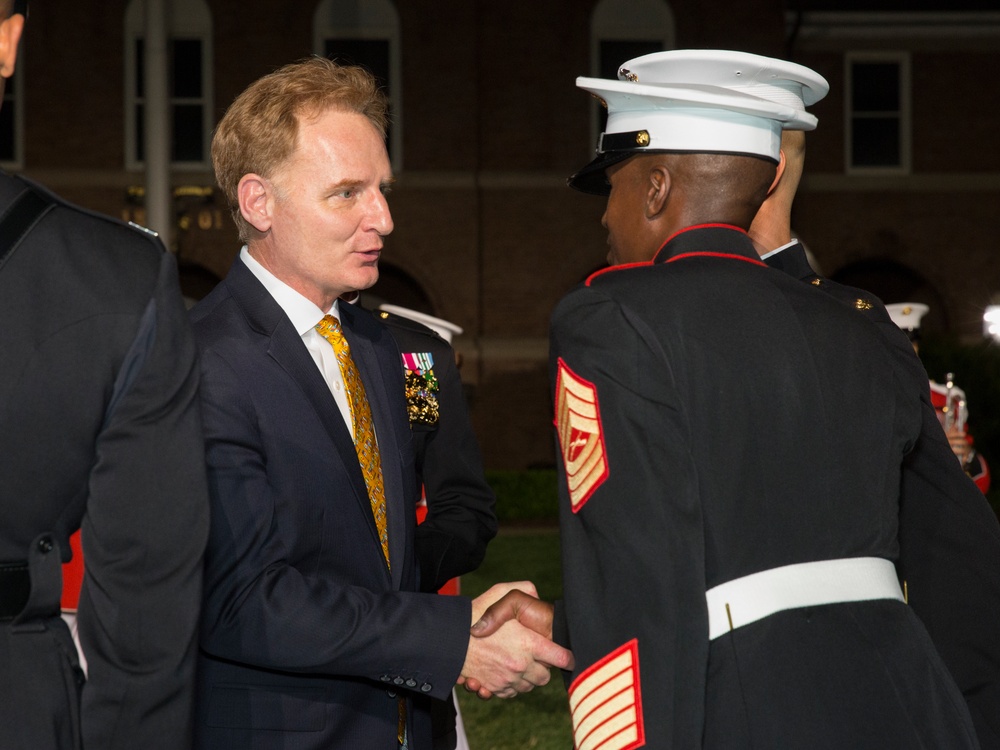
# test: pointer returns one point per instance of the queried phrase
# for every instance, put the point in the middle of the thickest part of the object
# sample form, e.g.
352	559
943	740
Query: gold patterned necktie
364	430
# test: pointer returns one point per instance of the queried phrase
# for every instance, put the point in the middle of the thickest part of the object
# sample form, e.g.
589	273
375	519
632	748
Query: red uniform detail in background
453	586
73	570
73	575
952	411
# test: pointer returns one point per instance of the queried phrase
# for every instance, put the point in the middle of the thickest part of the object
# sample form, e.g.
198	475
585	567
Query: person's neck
768	236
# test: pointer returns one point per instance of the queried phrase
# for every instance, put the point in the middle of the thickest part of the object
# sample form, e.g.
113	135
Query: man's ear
657	190
778	173
256	200
10	35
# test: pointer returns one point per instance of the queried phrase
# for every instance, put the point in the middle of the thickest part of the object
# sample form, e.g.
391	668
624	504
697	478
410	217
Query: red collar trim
731	256
621	267
679	232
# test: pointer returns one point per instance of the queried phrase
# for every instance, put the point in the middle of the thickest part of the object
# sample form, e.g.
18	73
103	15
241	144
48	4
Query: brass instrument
955	412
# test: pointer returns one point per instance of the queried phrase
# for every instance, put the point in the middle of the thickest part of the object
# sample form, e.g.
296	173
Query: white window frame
368	20
902	59
627	20
189	19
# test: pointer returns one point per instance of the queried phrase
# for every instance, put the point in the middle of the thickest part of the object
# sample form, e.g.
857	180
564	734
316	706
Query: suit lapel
373	362
286	348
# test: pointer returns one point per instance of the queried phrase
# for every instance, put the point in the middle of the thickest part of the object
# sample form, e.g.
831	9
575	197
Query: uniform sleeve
144	536
264	611
631	524
950	560
949	552
461	516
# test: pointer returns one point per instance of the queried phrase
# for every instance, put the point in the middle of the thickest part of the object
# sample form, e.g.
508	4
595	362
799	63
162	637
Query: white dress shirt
304	316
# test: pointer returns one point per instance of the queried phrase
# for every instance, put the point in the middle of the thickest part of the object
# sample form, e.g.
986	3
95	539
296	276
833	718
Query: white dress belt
745	600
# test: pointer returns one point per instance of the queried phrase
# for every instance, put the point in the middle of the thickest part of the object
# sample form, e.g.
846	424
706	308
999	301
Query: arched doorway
396	287
891	282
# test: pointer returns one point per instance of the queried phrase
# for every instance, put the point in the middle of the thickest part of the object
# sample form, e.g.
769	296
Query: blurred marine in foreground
100	430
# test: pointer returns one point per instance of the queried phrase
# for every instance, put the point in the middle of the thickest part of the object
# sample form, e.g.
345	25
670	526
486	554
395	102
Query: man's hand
526	610
514	659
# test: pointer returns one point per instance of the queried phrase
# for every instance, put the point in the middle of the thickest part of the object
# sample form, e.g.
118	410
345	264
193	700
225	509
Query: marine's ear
658	189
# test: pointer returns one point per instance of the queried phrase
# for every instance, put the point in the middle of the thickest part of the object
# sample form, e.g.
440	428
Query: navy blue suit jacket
307	637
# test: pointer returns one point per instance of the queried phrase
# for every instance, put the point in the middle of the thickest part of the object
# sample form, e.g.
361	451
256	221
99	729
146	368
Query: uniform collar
720	240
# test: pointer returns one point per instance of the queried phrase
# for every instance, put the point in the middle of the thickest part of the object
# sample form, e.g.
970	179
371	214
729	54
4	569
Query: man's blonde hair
258	133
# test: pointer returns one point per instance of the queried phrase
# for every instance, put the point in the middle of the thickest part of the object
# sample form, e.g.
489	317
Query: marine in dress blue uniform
457	515
752	603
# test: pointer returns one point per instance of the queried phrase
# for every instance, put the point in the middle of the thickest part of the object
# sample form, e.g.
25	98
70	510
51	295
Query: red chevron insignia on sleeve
605	703
578	424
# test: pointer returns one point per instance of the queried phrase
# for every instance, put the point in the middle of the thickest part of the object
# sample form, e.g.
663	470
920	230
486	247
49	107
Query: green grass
525	496
539	719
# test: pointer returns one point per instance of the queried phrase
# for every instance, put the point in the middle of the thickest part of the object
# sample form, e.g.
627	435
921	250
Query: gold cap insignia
628	75
642	138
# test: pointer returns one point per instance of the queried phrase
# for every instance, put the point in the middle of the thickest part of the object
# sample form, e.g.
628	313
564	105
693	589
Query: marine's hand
514	659
497	591
530	611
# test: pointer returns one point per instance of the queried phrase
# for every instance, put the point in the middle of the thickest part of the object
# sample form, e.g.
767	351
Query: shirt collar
303	313
779	249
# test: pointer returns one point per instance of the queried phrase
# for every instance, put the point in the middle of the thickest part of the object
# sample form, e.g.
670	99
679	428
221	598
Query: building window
11	119
621	30
878	113
366	33
189	84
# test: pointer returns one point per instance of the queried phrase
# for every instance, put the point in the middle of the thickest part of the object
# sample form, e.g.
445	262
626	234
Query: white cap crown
700	101
907	315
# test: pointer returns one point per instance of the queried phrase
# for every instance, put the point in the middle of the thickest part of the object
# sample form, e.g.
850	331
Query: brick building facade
902	178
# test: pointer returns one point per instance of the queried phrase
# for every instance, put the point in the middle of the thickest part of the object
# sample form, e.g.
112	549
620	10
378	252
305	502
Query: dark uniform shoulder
401	323
858	299
93	221
110	259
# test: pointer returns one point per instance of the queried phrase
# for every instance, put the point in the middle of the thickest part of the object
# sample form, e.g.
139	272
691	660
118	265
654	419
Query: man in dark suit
100	431
949	537
315	632
731	444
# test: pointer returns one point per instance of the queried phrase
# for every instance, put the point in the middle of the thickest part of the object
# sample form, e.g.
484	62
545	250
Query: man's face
625	213
329	214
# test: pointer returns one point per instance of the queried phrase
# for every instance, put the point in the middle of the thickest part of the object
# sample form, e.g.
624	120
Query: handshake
511	649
